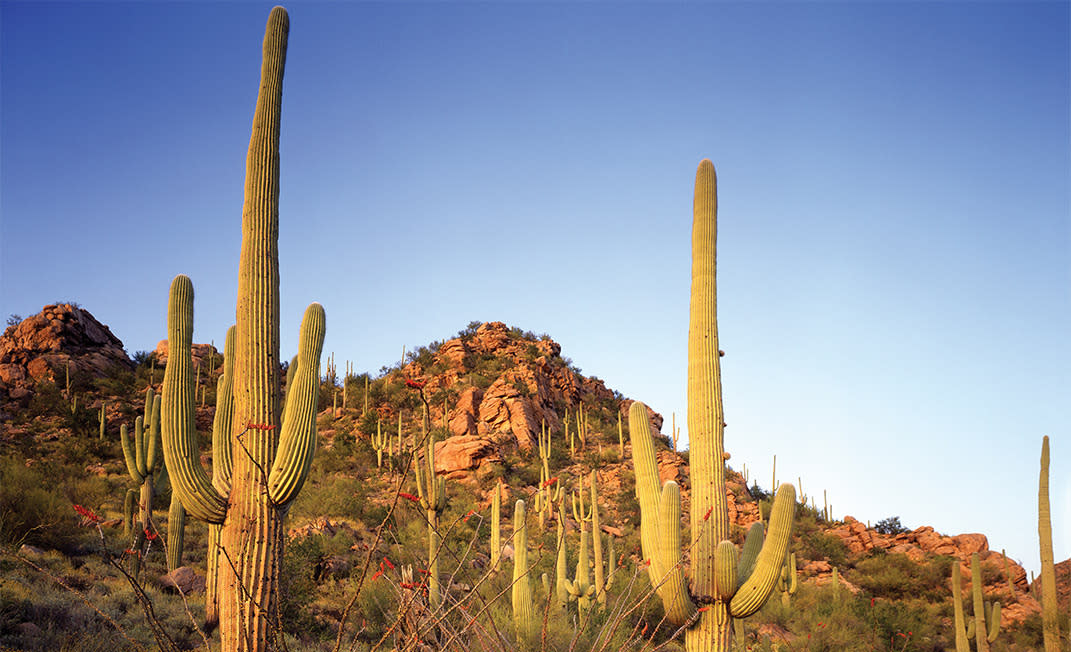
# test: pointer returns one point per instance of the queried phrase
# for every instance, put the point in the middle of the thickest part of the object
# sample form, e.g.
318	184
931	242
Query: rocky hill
490	391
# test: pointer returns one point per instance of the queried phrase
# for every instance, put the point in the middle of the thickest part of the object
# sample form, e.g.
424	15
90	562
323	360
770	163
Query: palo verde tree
724	585
270	452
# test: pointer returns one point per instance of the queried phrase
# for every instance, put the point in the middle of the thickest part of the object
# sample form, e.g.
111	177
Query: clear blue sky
895	241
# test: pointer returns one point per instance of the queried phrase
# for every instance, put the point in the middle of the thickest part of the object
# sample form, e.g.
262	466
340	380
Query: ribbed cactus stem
130	504
596	540
561	566
524	617
100	435
713	576
1049	611
181	452
496	526
982	635
176	533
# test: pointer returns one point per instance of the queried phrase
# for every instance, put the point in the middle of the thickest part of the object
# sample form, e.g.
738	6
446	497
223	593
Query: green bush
32	512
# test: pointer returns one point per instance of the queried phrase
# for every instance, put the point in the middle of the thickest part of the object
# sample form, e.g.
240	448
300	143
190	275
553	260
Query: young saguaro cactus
144	464
1050	622
432	492
271	452
976	627
524	615
717	592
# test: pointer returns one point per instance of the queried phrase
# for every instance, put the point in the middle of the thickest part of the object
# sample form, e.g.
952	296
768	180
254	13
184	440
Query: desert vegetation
482	494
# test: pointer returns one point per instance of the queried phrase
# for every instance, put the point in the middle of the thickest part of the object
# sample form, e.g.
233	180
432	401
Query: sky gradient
894	249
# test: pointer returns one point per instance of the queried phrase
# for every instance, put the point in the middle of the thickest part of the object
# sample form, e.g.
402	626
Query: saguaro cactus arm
188	478
660	513
756	589
297	443
222	423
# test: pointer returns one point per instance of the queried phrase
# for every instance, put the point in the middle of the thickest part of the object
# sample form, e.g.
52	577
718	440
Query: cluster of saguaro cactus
432	492
380	442
1049	617
786	581
271	452
145	465
550	489
718	591
984	613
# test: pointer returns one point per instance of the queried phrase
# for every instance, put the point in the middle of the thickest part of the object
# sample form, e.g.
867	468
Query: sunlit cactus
1049	615
271	452
432	493
524	615
717	592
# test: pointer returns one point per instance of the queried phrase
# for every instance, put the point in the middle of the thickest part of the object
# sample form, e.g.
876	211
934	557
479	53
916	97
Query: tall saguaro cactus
271	452
717	593
1049	619
144	464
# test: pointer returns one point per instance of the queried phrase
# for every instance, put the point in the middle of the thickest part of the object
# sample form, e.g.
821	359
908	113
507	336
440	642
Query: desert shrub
31	511
895	576
819	545
890	525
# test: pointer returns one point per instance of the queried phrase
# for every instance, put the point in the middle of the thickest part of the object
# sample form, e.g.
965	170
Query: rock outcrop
41	347
507	386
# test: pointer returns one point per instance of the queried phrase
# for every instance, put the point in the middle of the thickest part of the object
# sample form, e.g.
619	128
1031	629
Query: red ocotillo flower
415	384
409	496
89	517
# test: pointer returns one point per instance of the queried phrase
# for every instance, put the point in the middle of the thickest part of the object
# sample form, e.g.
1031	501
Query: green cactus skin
379	443
1049	617
561	565
100	435
711	629
251	515
496	526
432	492
144	464
620	436
129	505
835	581
786	582
596	540
176	533
222	431
1008	576
524	615
975	627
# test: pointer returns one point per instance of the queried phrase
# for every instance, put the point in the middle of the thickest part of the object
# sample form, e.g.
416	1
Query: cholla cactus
717	593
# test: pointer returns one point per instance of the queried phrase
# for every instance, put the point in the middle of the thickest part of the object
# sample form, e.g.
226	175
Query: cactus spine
715	582
1049	618
271	452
